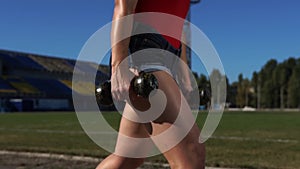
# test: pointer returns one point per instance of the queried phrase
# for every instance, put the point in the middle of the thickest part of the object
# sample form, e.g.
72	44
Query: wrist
114	66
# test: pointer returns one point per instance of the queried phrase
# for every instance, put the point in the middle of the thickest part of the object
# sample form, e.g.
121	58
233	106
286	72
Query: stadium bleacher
83	67
81	87
17	60
5	87
51	88
27	79
53	64
29	63
22	86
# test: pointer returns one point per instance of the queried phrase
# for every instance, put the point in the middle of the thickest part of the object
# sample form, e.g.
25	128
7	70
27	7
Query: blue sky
246	34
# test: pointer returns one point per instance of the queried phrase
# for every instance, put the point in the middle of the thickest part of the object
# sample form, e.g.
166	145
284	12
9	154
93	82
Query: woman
188	153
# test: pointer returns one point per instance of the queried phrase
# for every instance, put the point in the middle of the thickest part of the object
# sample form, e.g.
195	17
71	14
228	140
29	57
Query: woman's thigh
186	152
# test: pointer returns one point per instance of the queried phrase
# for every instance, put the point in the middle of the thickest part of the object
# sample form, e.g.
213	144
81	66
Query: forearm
121	28
184	67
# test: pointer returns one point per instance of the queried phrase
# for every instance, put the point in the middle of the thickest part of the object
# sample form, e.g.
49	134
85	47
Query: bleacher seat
29	63
83	67
50	87
67	83
33	77
5	87
22	86
53	64
19	61
82	88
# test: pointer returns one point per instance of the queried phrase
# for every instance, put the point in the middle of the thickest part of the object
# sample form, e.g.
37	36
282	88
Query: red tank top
173	7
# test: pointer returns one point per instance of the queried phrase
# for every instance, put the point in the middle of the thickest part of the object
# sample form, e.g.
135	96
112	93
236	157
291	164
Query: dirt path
29	160
23	162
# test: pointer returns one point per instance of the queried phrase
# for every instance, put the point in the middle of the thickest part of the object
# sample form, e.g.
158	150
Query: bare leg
189	153
118	162
131	129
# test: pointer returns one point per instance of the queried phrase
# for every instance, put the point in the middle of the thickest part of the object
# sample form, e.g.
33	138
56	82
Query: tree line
276	85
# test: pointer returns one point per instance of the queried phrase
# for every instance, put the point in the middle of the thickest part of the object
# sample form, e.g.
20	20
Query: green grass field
242	140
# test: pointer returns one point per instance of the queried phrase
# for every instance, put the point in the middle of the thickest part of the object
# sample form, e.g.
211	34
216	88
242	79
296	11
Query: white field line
254	139
68	157
52	156
44	131
55	131
78	158
279	140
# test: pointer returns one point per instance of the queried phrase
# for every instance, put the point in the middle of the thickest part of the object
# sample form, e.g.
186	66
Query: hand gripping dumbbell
142	85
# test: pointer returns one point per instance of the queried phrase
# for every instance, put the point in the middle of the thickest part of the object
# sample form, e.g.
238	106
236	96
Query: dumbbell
142	85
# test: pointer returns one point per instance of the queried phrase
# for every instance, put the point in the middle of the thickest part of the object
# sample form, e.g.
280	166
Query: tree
276	85
243	92
203	82
280	79
240	94
267	84
255	83
204	89
232	93
294	88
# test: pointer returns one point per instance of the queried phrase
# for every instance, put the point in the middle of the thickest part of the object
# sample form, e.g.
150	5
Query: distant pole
258	92
282	97
188	33
246	97
1	68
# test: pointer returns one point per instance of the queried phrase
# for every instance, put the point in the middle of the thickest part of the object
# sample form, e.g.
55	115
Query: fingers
134	71
120	90
120	83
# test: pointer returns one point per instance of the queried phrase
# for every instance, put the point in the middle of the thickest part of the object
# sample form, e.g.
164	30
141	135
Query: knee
134	163
197	156
194	159
116	162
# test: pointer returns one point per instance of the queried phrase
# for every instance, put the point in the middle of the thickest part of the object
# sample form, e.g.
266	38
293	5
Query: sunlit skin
188	153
